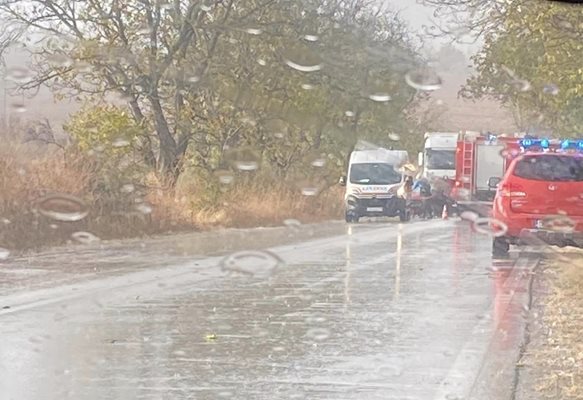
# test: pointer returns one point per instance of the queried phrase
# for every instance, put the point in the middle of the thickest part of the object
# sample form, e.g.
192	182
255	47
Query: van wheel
351	218
500	247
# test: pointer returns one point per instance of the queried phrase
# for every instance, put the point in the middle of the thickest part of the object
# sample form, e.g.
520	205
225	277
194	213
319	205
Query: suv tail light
507	190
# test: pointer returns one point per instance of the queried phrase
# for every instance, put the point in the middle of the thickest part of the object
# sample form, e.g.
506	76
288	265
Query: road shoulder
552	364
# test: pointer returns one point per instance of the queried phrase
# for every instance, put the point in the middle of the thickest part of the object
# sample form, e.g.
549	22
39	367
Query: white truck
373	180
437	160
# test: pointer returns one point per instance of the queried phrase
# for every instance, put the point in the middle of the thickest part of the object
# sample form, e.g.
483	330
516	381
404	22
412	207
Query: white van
374	177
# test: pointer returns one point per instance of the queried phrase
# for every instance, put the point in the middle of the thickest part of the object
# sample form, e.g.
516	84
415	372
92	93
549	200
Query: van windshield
374	174
440	159
553	168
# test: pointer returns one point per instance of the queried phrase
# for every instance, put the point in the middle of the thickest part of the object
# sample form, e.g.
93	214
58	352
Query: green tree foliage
532	59
535	65
104	128
295	81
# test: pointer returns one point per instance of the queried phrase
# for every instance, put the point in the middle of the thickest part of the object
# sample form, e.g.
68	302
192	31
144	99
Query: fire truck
481	160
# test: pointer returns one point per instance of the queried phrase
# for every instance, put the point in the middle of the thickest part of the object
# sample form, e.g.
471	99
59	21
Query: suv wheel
500	247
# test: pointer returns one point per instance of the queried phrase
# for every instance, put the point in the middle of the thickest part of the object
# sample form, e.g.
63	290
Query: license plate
375	209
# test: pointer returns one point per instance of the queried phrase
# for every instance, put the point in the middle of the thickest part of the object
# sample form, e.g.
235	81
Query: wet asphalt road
371	311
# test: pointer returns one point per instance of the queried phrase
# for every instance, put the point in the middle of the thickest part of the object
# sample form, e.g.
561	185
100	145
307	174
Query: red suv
540	196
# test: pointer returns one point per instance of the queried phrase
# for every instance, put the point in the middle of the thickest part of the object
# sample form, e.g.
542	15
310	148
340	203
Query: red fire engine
480	157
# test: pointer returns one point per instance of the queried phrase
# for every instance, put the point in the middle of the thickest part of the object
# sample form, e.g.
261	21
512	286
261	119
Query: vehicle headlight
352	201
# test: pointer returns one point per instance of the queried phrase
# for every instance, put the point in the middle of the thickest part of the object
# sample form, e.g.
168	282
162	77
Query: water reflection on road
384	311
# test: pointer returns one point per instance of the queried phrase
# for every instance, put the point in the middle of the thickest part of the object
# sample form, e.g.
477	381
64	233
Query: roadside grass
559	357
27	173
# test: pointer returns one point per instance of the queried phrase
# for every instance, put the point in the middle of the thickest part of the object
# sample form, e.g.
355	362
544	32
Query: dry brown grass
27	174
560	357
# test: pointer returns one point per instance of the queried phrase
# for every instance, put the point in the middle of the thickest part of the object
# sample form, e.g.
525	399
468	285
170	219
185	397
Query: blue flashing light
545	144
580	144
565	144
526	143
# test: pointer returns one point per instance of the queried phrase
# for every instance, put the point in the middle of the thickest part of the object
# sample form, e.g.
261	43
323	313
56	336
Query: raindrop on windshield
259	264
380	97
551	89
292	223
558	223
120	142
303	59
85	237
394	137
349	113
261	62
423	79
254	31
243	158
311	38
225	177
18	107
490	227
310	190
62	207
307	86
18	74
144	208
4	253
128	188
469	216
319	162
60	60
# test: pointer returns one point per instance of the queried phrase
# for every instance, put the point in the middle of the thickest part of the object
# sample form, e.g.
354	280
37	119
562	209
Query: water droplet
18	107
505	152
318	334
349	113
364	145
490	227
551	89
423	79
120	142
558	223
292	223
311	38
128	188
54	226
85	237
319	162
144	208
394	137
310	191
205	7
193	79
18	74
259	264
243	158
261	62
380	97
307	86
303	58
254	31
469	216
225	177
6	221
4	253
62	207
59	60
303	68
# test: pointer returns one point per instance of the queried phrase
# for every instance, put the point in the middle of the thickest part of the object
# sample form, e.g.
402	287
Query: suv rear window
555	168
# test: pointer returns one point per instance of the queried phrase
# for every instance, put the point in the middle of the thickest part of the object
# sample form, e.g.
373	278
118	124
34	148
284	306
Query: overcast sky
418	15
